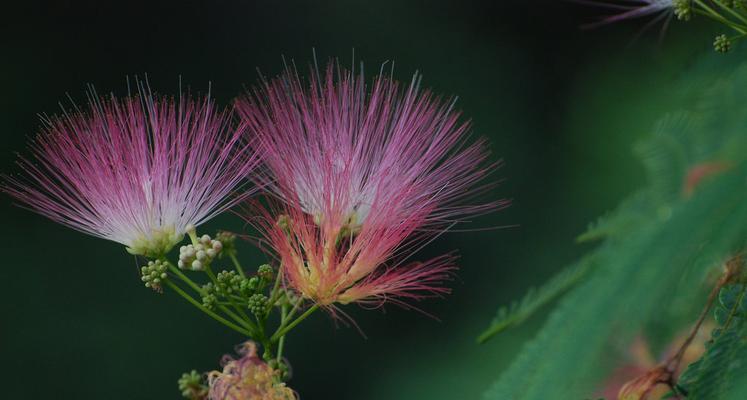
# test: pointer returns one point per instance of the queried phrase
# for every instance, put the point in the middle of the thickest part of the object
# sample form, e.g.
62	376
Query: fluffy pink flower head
137	170
365	175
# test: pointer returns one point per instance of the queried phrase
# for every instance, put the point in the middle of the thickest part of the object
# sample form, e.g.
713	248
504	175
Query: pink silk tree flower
364	176
621	10
137	170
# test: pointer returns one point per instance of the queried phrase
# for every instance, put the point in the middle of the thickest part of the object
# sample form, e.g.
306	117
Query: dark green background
561	106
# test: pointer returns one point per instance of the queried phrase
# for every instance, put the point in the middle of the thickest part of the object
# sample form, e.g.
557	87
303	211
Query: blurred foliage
659	248
519	311
722	371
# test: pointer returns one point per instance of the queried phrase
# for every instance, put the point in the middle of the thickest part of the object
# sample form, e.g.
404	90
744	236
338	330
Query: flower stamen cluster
137	170
363	173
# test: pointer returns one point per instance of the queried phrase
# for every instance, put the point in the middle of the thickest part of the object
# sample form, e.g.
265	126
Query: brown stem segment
664	373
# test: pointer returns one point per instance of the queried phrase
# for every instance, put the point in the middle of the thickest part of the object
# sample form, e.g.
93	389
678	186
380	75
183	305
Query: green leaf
616	224
534	299
659	247
721	373
577	347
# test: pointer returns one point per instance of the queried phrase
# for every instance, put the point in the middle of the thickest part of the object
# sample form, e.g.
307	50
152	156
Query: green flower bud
229	282
192	386
249	286
228	242
153	274
722	44
683	9
209	300
258	304
265	272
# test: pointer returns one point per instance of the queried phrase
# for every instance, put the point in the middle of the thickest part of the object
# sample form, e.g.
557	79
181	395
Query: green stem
275	292
732	12
721	20
236	264
211	275
246	323
184	278
205	310
281	343
283	330
193	236
715	15
243	319
244	316
294	309
237	299
262	338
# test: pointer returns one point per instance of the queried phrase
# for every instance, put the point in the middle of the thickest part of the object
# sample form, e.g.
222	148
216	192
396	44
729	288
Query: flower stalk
283	330
243	308
202	308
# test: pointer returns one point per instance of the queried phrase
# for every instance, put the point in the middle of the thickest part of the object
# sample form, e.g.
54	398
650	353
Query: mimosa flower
137	170
632	9
247	378
365	175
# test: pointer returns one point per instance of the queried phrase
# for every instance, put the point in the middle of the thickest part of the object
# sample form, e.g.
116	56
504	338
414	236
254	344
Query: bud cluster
722	44
228	240
265	272
683	9
228	282
153	274
250	286
192	386
732	14
258	304
197	256
231	286
209	297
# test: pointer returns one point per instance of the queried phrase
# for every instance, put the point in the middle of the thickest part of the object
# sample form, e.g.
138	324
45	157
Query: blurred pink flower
136	170
631	9
247	378
365	175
